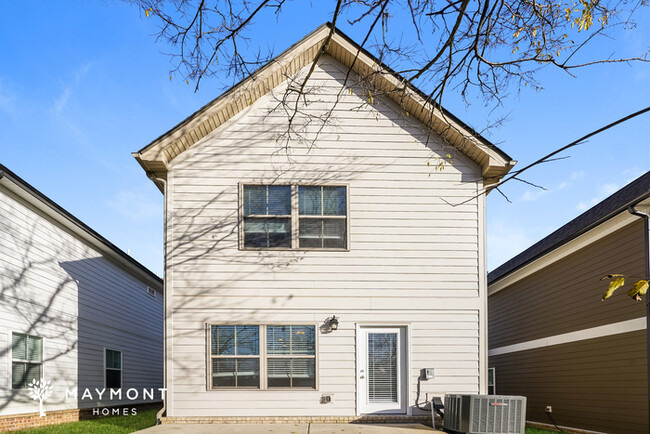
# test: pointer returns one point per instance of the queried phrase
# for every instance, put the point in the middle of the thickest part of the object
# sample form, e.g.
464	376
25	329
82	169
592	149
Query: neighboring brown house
552	339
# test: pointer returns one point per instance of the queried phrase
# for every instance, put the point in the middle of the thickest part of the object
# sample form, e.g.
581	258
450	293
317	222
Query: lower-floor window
262	356
113	367
26	359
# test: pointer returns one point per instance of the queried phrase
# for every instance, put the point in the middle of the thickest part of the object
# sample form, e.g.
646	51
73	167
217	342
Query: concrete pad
369	428
301	428
222	428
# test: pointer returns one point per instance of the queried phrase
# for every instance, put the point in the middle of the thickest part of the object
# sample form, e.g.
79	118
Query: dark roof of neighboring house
634	192
15	179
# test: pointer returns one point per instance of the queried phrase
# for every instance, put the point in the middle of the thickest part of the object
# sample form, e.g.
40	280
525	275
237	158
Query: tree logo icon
41	390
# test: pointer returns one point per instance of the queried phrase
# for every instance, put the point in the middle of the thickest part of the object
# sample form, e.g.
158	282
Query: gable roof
633	193
154	158
56	213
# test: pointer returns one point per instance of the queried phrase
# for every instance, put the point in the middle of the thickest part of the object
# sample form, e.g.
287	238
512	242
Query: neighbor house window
294	216
240	359
491	382
26	359
113	362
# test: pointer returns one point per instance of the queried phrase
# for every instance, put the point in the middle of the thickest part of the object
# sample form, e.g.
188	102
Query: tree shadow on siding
115	312
35	296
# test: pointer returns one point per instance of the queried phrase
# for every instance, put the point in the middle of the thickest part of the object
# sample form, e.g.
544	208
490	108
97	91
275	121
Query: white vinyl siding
412	257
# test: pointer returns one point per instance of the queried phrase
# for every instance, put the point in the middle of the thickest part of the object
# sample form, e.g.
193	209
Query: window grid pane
239	340
113	359
18	346
267	232
267	200
235	372
291	340
113	378
34	349
287	372
323	233
334	201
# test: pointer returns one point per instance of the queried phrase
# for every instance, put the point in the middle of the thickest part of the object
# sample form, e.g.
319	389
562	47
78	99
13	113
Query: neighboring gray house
74	309
315	281
551	337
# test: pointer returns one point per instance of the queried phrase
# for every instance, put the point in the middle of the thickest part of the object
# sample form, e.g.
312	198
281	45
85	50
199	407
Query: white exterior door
381	376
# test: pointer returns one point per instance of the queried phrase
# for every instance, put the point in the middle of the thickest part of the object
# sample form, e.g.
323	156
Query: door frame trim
407	351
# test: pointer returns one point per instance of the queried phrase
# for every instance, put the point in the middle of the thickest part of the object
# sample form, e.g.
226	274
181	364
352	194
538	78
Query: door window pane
382	367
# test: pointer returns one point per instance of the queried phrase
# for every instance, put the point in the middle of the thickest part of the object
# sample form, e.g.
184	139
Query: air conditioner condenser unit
485	414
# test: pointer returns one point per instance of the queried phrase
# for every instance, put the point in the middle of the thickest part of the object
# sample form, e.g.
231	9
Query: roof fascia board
71	224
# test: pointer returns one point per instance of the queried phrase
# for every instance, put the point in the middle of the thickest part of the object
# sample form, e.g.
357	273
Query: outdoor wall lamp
333	323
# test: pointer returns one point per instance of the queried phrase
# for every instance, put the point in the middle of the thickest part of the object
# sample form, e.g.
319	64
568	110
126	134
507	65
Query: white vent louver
485	414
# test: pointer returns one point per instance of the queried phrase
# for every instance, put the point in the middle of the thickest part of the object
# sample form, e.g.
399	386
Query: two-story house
313	271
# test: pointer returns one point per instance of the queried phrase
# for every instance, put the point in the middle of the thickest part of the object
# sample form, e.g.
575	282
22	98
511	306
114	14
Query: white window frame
114	369
263	357
295	217
12	360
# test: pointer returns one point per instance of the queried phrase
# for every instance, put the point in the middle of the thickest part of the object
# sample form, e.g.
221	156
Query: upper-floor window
26	359
295	217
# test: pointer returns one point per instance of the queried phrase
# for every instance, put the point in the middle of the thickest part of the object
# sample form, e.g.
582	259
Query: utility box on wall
485	414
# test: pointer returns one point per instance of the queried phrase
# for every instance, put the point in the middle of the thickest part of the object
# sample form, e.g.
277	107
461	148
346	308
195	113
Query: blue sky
84	84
